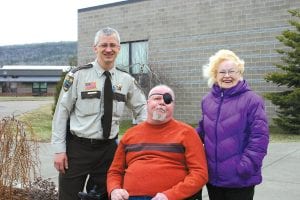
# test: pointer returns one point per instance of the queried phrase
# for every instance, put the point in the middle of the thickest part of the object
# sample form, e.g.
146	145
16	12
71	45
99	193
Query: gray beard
159	116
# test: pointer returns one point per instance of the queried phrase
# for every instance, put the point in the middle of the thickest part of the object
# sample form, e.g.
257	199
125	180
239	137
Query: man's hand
160	196
61	162
119	194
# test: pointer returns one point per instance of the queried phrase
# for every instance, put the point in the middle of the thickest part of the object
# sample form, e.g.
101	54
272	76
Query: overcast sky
37	21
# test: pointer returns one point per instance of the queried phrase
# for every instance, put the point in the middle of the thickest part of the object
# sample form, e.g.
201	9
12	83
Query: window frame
129	67
38	88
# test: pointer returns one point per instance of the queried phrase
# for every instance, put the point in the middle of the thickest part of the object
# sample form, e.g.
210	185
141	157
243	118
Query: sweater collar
159	126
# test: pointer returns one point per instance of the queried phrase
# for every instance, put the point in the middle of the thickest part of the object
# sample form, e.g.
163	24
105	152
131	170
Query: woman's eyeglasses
229	72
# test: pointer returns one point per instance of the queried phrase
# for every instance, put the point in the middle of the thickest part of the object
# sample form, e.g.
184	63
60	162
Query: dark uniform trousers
86	157
221	193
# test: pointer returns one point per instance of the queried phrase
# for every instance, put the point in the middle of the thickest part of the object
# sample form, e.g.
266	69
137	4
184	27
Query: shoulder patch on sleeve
68	81
70	76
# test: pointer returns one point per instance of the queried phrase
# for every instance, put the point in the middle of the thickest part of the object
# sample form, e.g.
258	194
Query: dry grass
40	120
277	135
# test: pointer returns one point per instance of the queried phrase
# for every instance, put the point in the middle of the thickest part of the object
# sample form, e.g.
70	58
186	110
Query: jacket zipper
216	135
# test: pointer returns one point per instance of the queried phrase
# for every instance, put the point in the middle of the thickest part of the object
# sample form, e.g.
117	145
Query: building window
39	88
133	57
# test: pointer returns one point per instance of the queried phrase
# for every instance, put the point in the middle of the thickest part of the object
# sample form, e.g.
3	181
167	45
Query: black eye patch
166	97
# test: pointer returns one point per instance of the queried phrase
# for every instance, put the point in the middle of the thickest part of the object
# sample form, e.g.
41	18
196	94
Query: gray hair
107	32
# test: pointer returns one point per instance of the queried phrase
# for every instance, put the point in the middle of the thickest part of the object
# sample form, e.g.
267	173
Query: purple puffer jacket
236	135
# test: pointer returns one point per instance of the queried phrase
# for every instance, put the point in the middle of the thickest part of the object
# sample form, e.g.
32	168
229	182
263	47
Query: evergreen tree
288	100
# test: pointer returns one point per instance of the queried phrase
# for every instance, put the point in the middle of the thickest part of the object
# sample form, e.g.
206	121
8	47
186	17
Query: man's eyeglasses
229	72
166	97
110	45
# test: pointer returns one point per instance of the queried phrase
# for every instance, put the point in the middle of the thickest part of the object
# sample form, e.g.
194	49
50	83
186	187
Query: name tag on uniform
90	94
119	97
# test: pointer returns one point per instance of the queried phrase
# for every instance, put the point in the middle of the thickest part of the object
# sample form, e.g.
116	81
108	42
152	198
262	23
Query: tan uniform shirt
83	103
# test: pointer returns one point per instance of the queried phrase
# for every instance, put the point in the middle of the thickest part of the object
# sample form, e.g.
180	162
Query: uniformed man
88	150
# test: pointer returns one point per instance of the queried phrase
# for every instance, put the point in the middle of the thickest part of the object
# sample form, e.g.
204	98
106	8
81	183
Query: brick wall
182	36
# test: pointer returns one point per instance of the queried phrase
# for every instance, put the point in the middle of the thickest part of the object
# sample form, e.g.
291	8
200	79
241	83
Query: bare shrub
19	162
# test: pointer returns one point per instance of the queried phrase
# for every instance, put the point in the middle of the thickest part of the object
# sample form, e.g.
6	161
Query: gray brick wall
182	36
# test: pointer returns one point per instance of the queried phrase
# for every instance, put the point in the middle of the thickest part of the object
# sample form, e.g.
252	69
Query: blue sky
37	21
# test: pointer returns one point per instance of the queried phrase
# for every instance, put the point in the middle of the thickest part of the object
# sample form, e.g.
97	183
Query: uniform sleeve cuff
59	148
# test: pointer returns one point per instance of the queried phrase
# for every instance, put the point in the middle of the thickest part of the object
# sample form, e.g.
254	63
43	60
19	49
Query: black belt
92	141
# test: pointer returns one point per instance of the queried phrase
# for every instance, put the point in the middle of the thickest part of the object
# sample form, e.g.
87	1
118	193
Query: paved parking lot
15	108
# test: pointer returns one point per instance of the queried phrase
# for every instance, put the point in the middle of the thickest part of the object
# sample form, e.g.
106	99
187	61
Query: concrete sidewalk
281	174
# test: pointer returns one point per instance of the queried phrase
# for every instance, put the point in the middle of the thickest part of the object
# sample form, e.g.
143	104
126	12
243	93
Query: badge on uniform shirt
68	82
118	87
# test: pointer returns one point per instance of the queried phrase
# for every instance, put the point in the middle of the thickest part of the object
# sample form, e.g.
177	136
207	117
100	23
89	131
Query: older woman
234	129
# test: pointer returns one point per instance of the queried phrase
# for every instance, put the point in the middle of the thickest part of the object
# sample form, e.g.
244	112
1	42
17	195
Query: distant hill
52	53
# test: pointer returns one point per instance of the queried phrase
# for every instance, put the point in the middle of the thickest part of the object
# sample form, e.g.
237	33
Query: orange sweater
166	158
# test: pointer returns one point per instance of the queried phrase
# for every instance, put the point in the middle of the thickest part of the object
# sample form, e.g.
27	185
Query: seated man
160	159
